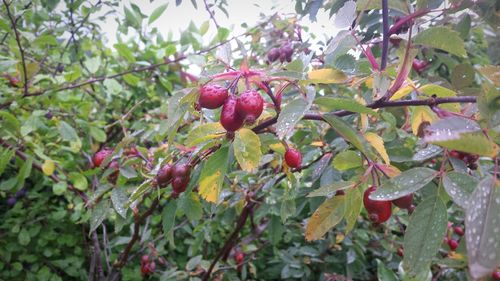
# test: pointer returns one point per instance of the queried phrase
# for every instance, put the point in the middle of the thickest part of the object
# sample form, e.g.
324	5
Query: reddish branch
406	19
375	105
18	41
385	34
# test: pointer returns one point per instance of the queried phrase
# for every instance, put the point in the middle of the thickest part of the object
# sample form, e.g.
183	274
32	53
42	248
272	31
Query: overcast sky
177	18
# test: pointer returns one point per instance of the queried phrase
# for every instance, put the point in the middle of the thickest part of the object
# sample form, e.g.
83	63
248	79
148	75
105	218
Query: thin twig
385	34
212	15
18	41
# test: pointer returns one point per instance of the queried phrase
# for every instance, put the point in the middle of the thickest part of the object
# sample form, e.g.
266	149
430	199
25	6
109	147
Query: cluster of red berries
235	110
470	160
99	158
147	266
379	211
453	242
283	53
178	175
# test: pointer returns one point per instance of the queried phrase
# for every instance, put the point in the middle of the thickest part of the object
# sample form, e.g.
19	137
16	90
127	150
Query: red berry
179	185
273	54
495	275
293	158
382	209
15	82
404	202
152	266
212	96
419	65
229	118
164	175
239	257
453	244
180	171
454	154
101	155
286	52
458	230
250	105
144	258
400	252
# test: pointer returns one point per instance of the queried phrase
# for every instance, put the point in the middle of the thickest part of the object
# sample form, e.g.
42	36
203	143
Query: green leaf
462	76
9	122
24	172
119	199
346	160
246	146
5	157
349	134
442	38
290	115
168	216
436	90
204	132
328	215
192	207
24	237
212	175
98	214
98	134
125	52
67	132
329	190
482	230
78	180
354	204
385	274
460	187
330	104
398	5
407	182
424	235
131	79
276	230
59	188
132	19
157	13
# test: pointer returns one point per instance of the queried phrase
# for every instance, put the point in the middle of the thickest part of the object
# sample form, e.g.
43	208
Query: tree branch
212	15
18	41
375	105
385	34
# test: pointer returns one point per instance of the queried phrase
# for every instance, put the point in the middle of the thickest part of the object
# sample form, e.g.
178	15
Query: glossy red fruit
180	171
212	96
250	105
419	65
400	252
229	117
164	175
495	275
293	158
101	155
286	52
453	244
273	54
458	230
404	202
144	258
239	257
382	209
179	185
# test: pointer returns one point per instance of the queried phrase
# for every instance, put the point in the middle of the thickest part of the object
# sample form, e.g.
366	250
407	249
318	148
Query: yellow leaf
402	92
328	215
277	147
389	170
209	187
246	146
327	76
491	72
369	83
48	167
378	143
420	115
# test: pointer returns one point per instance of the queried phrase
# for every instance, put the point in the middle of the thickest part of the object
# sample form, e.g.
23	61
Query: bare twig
212	15
18	41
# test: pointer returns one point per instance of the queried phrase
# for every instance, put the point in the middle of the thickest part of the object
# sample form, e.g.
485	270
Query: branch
385	34
212	15
375	105
240	223
18	41
406	19
37	166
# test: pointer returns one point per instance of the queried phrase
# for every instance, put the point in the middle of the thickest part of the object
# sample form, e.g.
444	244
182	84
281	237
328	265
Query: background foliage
412	108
